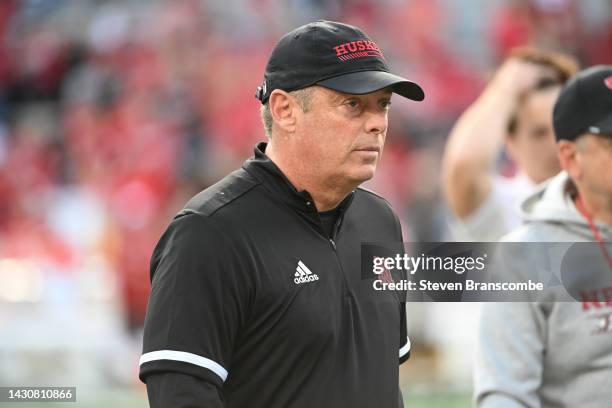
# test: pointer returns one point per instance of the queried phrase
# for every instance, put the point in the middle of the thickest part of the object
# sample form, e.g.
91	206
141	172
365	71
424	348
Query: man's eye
353	103
539	133
385	104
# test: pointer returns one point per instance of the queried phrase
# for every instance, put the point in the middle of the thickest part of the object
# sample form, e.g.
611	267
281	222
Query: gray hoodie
547	354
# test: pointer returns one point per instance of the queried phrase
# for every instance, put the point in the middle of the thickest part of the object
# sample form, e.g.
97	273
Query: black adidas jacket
253	306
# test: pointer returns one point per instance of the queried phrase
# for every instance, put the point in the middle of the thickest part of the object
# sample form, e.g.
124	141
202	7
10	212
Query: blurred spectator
514	112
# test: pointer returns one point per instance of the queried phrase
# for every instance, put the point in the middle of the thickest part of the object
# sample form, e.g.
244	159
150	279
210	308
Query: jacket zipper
332	242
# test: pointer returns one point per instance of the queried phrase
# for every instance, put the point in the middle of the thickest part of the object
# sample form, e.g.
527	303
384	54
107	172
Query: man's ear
566	152
283	109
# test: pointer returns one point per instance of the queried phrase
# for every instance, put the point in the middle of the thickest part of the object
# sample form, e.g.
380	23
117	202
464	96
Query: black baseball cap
333	55
585	104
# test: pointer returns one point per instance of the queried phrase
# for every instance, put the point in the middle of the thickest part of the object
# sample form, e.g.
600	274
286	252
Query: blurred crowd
113	113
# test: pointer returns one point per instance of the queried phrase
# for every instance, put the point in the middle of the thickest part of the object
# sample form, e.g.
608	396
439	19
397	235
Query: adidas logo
303	274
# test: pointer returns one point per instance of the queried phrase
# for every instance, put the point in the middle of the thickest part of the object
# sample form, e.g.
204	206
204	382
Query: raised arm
478	136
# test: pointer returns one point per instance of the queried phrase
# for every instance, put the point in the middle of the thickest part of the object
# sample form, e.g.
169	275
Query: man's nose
376	122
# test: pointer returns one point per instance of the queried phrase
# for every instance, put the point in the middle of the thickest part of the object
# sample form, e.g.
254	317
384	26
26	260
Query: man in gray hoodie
550	353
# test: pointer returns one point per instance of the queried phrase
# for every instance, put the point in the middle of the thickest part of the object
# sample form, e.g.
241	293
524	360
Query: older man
553	353
256	298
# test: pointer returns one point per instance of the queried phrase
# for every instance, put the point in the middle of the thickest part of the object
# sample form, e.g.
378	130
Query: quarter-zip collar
273	179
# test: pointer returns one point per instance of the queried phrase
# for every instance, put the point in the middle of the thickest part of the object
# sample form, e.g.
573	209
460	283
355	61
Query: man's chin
363	174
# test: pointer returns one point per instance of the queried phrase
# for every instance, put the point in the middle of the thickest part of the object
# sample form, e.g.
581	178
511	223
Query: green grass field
437	401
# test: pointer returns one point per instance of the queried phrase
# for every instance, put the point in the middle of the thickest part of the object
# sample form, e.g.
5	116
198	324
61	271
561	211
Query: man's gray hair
303	96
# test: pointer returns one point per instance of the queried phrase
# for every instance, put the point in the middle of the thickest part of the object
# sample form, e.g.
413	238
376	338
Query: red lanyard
594	229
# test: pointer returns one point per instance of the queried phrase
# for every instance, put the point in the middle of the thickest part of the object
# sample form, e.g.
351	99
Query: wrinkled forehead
541	95
538	104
